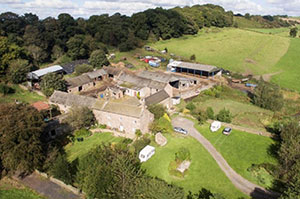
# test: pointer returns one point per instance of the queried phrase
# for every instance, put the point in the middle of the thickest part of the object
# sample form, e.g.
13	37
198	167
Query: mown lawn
234	49
79	149
21	95
203	172
241	150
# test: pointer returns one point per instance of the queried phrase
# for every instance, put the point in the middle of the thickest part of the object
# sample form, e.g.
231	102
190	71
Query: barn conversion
194	69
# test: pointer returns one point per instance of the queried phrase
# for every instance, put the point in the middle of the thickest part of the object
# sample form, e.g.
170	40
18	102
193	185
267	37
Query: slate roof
156	76
121	109
96	73
79	80
69	99
112	70
156	98
70	67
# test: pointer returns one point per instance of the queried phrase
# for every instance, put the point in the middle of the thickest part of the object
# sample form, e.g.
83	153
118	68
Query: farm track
238	181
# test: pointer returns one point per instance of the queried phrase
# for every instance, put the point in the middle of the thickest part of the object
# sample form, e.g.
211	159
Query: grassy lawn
21	95
203	172
234	49
241	150
285	32
78	149
290	66
10	189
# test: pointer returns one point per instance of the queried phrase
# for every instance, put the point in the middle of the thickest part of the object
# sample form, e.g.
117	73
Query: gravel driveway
238	181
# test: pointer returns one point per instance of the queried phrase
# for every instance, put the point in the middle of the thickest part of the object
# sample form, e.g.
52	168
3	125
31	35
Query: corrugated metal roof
41	72
194	66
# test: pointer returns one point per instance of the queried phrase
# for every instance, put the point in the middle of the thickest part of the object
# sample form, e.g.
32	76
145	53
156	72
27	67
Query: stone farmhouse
126	115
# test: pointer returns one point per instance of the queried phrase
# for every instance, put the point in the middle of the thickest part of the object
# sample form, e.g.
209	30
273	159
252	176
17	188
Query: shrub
5	89
191	106
102	126
210	113
193	57
200	115
61	169
82	133
80	117
157	110
183	154
224	116
83	68
140	144
138	133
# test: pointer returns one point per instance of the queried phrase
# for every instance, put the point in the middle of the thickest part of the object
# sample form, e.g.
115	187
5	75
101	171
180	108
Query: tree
224	116
18	69
247	16
293	32
80	117
83	68
210	113
37	53
191	106
98	59
77	48
51	82
157	110
268	96
21	127
193	57
61	169
200	115
183	154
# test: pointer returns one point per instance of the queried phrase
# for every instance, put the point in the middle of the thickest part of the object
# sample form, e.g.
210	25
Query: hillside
251	51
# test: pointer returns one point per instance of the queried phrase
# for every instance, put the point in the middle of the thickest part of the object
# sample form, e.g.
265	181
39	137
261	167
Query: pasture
241	150
203	172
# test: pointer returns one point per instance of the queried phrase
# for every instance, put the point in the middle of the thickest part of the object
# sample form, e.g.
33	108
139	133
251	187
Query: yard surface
241	150
21	96
79	149
10	189
203	172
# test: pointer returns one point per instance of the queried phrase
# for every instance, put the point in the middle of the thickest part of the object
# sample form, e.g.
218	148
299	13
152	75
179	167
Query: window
79	88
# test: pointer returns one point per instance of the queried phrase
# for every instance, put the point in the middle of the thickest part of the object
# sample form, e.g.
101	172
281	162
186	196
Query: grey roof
156	98
194	66
70	67
79	80
112	70
41	72
96	73
157	76
69	99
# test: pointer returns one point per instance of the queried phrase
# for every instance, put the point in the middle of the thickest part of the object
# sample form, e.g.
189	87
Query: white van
146	153
216	125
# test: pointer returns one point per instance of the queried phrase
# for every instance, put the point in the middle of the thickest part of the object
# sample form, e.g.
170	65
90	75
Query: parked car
227	131
180	130
215	125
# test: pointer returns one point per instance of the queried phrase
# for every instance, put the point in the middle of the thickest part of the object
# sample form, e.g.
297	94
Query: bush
157	110
82	133
191	106
5	89
138	133
102	126
193	57
200	115
224	116
183	154
80	117
61	169
210	113
140	144
83	68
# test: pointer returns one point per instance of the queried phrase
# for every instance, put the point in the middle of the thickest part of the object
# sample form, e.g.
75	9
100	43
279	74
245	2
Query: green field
241	150
79	149
254	51
203	172
21	95
289	64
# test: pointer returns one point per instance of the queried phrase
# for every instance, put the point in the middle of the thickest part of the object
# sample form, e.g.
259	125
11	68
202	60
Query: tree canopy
51	82
21	127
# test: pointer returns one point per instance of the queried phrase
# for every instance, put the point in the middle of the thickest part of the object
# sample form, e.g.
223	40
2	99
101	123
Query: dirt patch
266	77
250	61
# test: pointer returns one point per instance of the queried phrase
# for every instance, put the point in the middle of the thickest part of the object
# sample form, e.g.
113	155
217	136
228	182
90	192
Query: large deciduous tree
77	48
80	117
52	82
21	127
98	59
18	70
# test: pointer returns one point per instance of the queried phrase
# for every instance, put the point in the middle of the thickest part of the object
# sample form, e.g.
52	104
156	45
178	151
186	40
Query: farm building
85	81
38	74
161	97
201	70
125	115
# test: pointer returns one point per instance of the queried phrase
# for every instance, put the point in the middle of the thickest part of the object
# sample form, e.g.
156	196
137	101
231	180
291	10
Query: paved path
46	188
238	181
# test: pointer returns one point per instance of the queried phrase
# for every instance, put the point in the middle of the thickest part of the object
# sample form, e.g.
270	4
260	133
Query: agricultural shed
36	75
